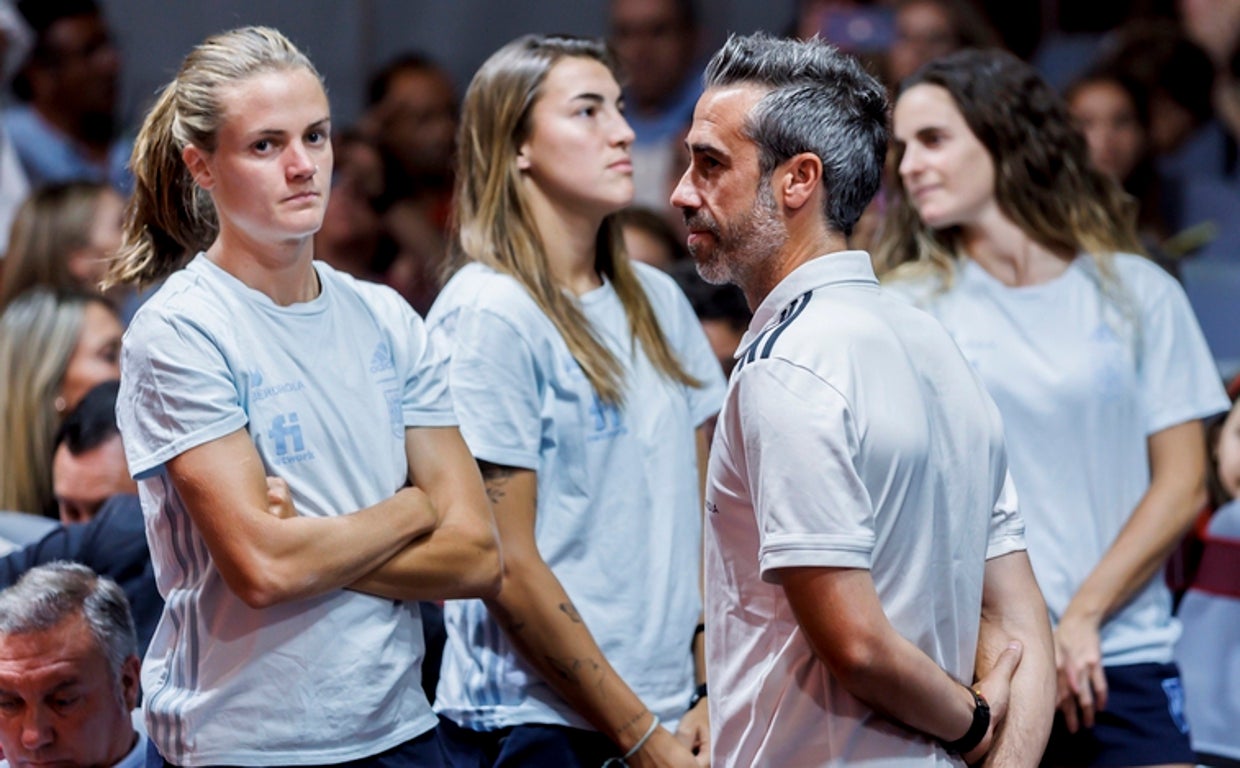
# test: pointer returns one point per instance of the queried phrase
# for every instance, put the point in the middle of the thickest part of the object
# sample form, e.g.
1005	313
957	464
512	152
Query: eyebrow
595	97
265	132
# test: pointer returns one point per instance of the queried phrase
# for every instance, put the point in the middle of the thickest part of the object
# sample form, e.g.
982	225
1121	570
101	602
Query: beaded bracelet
622	762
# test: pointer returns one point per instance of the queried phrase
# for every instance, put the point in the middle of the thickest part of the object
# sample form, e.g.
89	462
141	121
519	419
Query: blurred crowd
1154	87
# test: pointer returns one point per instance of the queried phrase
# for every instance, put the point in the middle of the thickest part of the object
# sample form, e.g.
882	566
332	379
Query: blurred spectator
351	233
101	517
721	309
412	120
88	466
1209	648
1113	112
1179	77
649	238
927	29
15	41
62	238
1215	26
69	671
67	130
54	346
657	43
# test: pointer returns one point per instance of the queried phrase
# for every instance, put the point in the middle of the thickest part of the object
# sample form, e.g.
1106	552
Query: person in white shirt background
1002	229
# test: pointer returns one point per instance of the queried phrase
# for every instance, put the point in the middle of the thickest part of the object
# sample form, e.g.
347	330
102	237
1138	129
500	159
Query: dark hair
820	101
1044	180
92	421
724	302
412	61
1163	59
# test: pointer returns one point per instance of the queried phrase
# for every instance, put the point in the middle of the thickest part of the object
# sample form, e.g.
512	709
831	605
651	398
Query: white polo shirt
853	435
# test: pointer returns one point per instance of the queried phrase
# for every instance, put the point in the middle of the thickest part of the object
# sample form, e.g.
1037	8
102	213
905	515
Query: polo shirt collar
830	269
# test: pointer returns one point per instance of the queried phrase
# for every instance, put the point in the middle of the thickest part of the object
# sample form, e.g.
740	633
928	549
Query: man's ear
196	161
130	681
798	178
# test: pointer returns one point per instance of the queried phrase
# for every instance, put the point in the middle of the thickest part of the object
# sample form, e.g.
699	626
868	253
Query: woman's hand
1082	681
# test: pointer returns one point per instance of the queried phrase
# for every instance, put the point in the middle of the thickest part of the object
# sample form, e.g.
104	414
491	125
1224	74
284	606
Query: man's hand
996	688
1082	687
694	732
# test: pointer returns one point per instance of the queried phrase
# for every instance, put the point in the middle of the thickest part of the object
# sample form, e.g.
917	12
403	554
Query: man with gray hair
68	671
868	595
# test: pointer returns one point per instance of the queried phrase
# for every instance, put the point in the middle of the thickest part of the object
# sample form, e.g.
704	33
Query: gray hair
821	101
49	594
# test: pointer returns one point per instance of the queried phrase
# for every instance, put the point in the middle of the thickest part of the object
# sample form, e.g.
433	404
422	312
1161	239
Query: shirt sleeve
1179	379
177	392
1007	526
426	400
801	446
496	387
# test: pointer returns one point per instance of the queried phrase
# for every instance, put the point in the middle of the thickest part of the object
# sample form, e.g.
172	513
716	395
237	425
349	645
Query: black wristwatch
699	693
977	731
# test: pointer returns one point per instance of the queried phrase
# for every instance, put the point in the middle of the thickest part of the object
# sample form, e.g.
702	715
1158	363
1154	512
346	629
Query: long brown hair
52	225
494	226
1044	182
170	218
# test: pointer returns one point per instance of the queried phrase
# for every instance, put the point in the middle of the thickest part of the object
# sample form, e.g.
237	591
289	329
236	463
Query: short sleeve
801	445
1007	526
177	392
496	388
426	400
1179	380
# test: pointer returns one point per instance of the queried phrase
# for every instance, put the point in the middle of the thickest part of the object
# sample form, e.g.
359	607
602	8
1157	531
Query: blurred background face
1228	454
418	121
104	240
655	46
923	32
83	64
96	358
1108	118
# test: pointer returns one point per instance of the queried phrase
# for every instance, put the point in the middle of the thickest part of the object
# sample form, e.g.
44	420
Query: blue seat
19	529
1213	288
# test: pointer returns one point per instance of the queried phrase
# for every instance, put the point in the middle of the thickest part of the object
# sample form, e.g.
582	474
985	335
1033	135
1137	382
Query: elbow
482	567
260	585
853	662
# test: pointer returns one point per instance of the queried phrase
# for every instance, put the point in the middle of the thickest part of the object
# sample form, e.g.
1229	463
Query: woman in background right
1209	650
1025	252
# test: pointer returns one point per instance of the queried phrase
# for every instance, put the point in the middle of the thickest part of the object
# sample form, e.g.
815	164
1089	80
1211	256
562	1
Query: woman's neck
1009	255
284	272
569	238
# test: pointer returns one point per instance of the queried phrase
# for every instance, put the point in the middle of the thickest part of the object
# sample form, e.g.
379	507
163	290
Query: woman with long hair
54	346
274	412
1003	229
62	238
582	382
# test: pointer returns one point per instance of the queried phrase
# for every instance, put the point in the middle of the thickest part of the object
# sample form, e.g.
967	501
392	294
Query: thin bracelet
613	762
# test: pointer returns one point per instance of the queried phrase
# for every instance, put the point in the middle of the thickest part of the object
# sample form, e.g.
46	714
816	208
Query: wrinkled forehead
33	663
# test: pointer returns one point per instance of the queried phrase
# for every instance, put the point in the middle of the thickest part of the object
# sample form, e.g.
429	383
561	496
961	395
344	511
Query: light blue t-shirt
326	389
619	508
1082	378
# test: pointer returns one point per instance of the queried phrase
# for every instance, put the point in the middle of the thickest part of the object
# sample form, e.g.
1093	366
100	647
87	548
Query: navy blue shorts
1143	723
525	745
425	751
